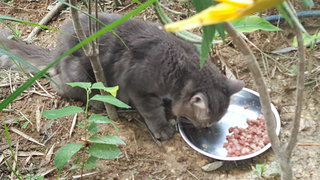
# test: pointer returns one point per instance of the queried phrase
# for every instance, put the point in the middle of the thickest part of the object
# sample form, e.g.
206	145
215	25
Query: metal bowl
209	141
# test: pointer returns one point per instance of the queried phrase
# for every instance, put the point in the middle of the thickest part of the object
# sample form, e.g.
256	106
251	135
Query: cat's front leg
151	109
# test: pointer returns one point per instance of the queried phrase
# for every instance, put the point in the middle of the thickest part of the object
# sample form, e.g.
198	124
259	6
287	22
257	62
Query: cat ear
234	86
199	100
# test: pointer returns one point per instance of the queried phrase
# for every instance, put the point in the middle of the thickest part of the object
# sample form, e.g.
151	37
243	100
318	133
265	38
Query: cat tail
36	57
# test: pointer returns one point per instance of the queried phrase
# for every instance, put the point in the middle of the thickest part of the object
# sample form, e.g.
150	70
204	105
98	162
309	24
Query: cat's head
204	108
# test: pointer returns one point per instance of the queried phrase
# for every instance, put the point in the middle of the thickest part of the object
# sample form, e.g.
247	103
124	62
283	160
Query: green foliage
294	69
91	163
109	99
308	3
98	118
104	151
253	23
112	90
99	147
106	140
58	113
307	39
267	170
93	128
7	18
83	85
260	169
16	32
25	125
8	139
208	31
65	153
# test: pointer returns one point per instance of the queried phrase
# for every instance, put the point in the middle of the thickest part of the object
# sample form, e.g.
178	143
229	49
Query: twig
14	166
8	84
193	175
172	11
74	121
83	175
299	93
38	118
93	55
308	144
41	87
259	81
25	117
58	7
25	136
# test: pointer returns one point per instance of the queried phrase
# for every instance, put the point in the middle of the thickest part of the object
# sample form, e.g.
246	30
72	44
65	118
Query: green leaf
25	125
98	85
253	23
260	169
75	166
295	69
308	3
208	34
104	151
91	163
2	17
80	125
208	31
84	85
65	153
107	140
93	128
104	30
98	118
112	90
58	113
307	39
110	99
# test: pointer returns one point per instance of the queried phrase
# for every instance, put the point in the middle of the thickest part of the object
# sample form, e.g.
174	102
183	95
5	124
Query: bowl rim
266	147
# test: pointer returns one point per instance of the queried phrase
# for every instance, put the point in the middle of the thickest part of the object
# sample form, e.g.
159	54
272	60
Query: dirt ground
142	157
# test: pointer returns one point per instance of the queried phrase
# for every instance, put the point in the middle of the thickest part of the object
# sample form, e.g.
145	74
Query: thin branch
259	81
57	8
299	93
93	55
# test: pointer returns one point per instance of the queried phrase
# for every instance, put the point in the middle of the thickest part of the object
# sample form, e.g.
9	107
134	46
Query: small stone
212	166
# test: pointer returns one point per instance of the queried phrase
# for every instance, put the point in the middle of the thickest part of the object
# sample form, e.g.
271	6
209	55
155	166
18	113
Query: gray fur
155	66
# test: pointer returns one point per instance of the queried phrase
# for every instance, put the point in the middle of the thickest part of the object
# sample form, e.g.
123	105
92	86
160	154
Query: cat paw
164	133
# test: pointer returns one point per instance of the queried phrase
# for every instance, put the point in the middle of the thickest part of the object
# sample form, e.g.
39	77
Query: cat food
244	141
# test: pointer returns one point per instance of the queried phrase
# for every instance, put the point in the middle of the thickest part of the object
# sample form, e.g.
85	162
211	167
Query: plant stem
299	92
260	83
283	152
92	53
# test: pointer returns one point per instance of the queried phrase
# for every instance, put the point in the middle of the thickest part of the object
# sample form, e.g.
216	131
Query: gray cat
153	67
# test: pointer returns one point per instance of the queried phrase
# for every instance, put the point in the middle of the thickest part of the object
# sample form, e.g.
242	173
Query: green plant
104	147
8	139
267	170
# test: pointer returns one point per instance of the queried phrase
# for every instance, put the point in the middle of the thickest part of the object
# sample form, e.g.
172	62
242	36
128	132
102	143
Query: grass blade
3	17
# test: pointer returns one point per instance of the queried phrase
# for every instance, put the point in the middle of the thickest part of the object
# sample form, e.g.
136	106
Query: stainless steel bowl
209	141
